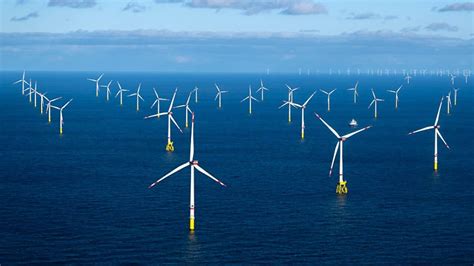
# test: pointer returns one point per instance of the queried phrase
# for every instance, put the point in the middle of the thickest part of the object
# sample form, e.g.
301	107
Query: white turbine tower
120	92
329	97
448	103
456	96
61	120
356	93
23	82
250	98
262	89
437	134
396	95
169	145
157	103
49	105
138	96
96	84
219	95
341	187
193	164
108	89
30	89
303	107
374	102
186	107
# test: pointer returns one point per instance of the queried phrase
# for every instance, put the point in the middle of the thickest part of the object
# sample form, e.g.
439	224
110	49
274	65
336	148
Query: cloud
180	59
72	3
249	7
411	29
26	17
21	2
466	6
134	7
362	16
441	26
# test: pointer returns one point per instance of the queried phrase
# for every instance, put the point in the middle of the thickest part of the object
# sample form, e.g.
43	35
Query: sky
235	36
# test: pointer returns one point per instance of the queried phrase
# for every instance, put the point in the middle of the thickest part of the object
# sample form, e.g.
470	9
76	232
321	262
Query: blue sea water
83	197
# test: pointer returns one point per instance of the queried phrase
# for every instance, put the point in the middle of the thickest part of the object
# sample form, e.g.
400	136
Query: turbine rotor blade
200	169
177	169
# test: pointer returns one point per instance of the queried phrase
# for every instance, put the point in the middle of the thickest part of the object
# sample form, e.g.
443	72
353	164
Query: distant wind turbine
396	95
262	89
329	97
374	102
356	93
250	98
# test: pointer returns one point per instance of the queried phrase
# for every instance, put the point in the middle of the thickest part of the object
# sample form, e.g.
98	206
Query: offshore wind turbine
108	89
437	134
303	107
193	164
138	96
120	92
49	105
452	79
196	94
186	107
341	187
219	95
169	145
448	103
157	103
356	93
374	102
61	120
329	97
407	78
23	82
96	84
290	100
262	89
396	95
30	89
250	98
42	97
456	96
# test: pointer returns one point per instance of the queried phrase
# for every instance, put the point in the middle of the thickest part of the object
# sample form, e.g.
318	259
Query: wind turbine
437	134
455	95
356	93
30	89
139	97
157	102
303	107
42	97
466	75
407	78
396	95
448	103
33	92
262	89
169	145
23	82
61	120
186	107
250	98
290	100
108	89
196	94
341	187
374	102
96	84
452	79
193	164
219	95
120	92
329	97
49	105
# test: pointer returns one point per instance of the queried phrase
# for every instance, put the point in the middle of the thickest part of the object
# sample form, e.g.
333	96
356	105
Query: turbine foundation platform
341	188
170	147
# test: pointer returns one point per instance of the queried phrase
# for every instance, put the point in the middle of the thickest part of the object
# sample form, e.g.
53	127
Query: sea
83	198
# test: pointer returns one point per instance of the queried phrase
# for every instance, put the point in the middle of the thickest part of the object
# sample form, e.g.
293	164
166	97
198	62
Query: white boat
353	123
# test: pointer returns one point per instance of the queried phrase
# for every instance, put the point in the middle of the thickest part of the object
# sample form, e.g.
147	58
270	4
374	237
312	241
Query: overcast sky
231	35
